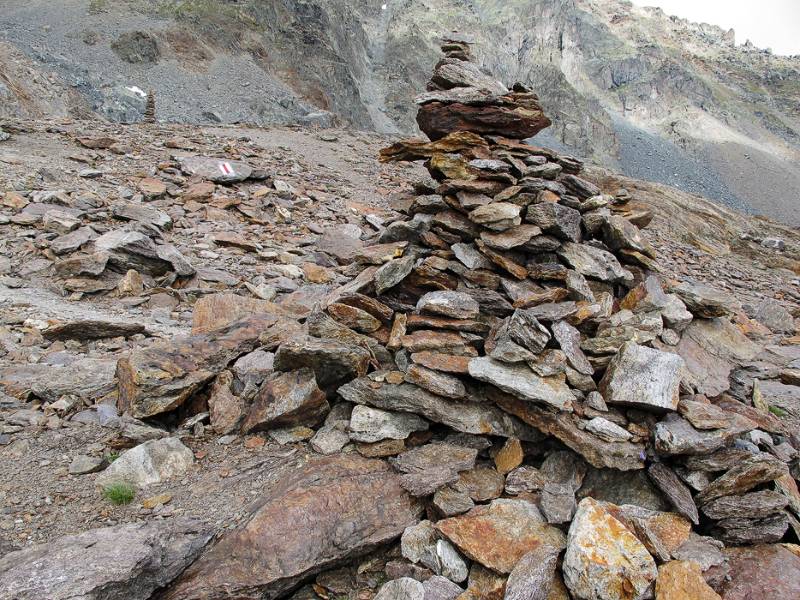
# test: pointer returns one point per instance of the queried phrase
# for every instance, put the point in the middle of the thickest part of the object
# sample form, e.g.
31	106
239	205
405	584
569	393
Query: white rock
152	462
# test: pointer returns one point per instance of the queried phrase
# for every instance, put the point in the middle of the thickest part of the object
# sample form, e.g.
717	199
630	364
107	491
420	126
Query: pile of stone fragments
512	352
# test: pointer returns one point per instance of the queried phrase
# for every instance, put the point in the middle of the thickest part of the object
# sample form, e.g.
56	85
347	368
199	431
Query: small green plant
112	456
778	412
119	493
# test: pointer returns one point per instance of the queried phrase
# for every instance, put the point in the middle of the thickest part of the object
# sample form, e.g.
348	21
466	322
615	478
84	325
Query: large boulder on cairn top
461	97
313	517
516	115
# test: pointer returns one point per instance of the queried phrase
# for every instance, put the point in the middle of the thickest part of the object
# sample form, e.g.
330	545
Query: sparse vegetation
119	493
778	412
112	456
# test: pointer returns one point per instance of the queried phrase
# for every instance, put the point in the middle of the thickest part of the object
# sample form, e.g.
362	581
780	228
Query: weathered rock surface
152	462
681	579
125	561
532	577
644	378
160	378
286	400
373	425
500	534
461	415
764	571
296	530
604	560
523	383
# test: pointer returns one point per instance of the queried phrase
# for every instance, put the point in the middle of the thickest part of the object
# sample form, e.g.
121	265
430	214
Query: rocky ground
119	241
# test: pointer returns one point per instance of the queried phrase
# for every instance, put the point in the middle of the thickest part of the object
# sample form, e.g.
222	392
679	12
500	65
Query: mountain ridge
709	116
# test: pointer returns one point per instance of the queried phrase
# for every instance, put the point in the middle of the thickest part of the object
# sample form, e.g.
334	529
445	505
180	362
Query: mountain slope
630	88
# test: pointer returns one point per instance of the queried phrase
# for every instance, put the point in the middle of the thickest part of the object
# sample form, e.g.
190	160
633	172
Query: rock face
296	531
130	561
532	578
643	378
604	560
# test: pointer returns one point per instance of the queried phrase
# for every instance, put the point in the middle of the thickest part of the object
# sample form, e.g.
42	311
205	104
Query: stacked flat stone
511	349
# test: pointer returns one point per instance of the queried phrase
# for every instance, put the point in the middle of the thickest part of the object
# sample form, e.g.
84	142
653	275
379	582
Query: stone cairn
150	108
513	352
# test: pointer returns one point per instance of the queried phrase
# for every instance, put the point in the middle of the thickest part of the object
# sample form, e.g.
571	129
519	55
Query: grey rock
705	301
82	465
462	415
470	256
421	544
679	496
569	339
392	273
711	349
525	330
441	588
404	588
521	382
775	316
130	561
644	378
218	170
754	505
555	219
524	479
558	502
740	531
431	456
750	473
333	362
675	435
607	430
373	425
675	314
148	463
70	242
451	502
532	578
132	250
594	263
456	305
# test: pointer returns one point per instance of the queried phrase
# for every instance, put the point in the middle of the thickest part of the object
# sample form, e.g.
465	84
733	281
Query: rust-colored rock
763	571
682	580
218	310
324	513
521	118
500	534
160	378
287	400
